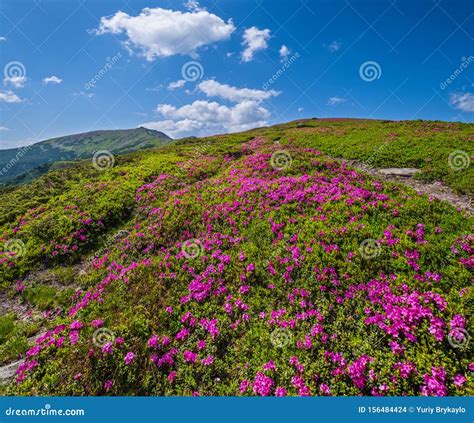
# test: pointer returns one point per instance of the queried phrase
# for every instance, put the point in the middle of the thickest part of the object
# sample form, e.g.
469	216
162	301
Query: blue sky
191	68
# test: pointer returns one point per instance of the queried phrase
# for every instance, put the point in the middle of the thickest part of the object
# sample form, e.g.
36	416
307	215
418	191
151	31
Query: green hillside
20	165
244	264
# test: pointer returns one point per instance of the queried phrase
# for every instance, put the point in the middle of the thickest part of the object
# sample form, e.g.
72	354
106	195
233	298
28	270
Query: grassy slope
58	234
420	144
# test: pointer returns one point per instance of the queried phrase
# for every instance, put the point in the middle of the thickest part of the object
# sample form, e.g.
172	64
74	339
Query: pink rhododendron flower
107	348
189	356
208	360
459	379
405	369
244	386
324	389
435	383
74	337
280	392
97	323
129	357
153	341
171	376
269	366
108	385
262	384
76	325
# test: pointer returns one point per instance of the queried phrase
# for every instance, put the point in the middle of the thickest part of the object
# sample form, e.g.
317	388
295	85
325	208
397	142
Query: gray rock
399	171
8	372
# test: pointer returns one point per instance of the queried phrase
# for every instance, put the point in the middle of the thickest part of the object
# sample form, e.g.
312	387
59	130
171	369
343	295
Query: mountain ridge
22	164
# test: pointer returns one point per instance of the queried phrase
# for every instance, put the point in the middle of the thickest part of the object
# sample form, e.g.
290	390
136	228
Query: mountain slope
242	264
26	163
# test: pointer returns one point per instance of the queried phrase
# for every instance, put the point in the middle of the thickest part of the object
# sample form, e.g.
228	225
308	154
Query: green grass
425	145
14	337
47	297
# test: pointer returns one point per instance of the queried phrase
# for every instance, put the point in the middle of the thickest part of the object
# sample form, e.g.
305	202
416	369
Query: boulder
399	171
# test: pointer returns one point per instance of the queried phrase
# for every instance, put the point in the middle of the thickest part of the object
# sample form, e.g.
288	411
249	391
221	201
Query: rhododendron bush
233	276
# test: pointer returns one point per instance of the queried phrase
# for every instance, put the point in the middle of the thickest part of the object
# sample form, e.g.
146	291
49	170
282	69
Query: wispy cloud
462	101
177	84
193	6
15	81
334	46
83	94
334	101
284	52
254	40
213	88
52	80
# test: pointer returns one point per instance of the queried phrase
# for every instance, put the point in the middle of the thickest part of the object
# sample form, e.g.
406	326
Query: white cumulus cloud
204	118
177	84
193	5
52	80
213	88
9	97
463	102
158	32
15	81
254	40
284	52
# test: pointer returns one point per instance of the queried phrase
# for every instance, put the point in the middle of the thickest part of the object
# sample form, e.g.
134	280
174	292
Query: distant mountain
19	165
